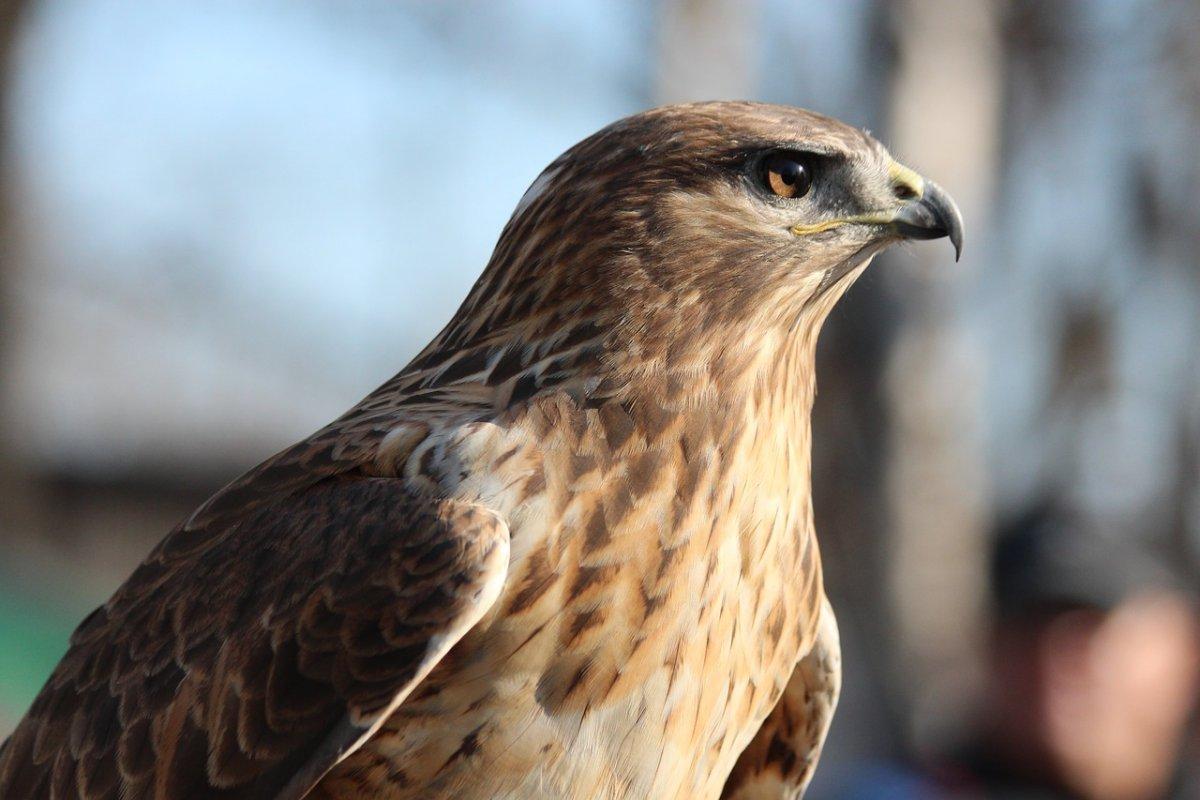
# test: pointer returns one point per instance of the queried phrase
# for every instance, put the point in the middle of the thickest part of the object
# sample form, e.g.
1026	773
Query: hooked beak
931	215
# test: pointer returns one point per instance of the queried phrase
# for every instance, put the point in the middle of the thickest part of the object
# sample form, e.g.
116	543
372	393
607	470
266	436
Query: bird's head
711	222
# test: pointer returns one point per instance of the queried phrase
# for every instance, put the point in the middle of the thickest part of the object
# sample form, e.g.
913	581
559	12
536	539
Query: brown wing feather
244	658
780	760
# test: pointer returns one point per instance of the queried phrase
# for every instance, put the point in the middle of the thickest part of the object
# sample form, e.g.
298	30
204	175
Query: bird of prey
567	552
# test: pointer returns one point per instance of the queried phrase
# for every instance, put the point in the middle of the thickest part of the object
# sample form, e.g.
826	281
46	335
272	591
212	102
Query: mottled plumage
567	552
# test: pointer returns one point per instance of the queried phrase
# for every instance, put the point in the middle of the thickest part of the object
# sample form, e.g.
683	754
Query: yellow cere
903	176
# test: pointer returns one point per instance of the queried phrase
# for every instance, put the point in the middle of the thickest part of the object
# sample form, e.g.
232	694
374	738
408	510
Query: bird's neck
761	371
764	372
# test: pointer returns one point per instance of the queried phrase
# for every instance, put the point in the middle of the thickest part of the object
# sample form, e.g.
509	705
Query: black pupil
789	175
790	171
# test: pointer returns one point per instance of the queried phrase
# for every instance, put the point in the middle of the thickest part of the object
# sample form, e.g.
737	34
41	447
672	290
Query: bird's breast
662	586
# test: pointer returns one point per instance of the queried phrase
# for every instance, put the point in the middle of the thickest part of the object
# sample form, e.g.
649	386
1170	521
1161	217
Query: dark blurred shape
1043	561
1091	676
1091	672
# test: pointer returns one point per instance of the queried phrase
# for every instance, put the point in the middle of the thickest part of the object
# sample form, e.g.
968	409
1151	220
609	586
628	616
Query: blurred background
225	222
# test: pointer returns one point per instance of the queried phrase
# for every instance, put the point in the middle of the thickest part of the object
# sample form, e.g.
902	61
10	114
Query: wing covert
247	659
780	760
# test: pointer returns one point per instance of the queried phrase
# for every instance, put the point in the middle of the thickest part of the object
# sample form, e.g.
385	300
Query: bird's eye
788	175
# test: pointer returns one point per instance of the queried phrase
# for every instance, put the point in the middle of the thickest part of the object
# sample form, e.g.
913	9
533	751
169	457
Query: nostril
903	191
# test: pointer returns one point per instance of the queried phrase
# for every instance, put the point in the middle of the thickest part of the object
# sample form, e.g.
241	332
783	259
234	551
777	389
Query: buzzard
567	552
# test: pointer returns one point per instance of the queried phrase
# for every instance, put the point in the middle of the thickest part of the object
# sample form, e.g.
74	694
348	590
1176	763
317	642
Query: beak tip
933	216
954	228
949	217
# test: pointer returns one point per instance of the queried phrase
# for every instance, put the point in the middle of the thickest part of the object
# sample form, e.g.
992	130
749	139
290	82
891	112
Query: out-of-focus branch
706	50
12	15
945	123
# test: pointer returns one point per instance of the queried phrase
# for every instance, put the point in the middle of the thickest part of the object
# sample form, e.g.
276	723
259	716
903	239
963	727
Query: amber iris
787	175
